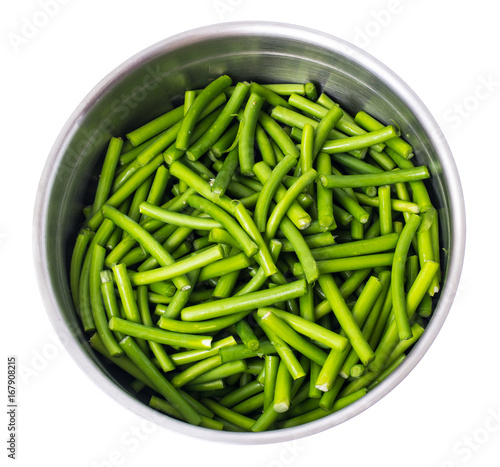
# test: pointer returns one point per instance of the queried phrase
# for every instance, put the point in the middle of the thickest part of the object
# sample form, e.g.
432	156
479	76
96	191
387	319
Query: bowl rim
292	32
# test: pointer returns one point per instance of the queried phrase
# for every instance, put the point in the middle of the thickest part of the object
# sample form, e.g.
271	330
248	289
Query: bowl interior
151	83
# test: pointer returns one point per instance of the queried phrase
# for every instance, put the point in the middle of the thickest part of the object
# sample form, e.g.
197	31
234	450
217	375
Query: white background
445	413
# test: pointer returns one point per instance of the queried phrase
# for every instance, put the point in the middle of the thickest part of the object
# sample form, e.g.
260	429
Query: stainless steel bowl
144	87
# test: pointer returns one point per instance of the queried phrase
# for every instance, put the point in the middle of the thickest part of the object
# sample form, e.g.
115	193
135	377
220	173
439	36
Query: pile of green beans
256	258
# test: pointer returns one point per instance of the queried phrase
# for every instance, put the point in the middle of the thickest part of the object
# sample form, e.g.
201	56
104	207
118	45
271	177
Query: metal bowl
145	86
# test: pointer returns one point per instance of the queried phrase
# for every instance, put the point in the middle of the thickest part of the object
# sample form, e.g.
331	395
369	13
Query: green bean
306	150
371	321
324	196
98	312
208	94
325	126
224	176
195	370
286	89
306	259
425	307
224	266
100	238
109	298
227	282
346	123
241	351
146	240
213	388
166	288
349	203
300	218
402	346
291	337
126	293
286	201
175	239
229	415
386	178
166	389
199	167
357	371
77	258
293	119
178	268
158	187
327	377
313	241
284	351
263	256
107	173
246	244
148	154
178	219
227	141
345	318
139	196
157	228
127	189
360	311
271	370
385	209
156	126
246	302
128	157
342	217
204	327
279	136
384	374
310	329
189	97
182	250
268	95
311	91
269	188
425	244
420	193
159	352
397	278
201	146
265	146
241	394
350	264
247	136
381	159
306	305
247	335
361	167
165	407
391	337
122	361
222	236
226	370
260	277
314	392
406	207
266	420
319	413
396	143
192	356
282	390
